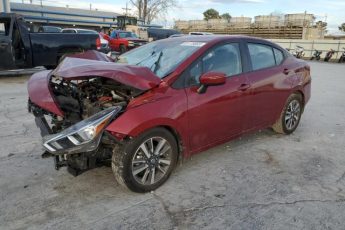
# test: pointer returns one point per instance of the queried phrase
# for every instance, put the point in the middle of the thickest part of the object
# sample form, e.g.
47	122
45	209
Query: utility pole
126	9
5	6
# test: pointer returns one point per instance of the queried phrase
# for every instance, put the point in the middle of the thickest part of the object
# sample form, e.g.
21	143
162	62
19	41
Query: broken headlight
84	136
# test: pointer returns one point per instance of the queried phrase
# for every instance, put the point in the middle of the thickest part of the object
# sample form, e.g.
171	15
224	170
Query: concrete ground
262	181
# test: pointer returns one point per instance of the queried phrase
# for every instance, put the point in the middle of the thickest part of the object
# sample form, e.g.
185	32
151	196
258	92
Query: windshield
127	35
161	57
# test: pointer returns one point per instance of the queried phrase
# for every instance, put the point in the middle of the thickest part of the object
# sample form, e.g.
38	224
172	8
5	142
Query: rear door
6	50
270	85
220	112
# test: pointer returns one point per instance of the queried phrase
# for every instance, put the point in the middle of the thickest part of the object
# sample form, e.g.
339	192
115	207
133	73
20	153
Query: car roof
209	38
220	38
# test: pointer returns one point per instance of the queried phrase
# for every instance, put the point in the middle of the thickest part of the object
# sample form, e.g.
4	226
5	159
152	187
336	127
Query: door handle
244	87
286	71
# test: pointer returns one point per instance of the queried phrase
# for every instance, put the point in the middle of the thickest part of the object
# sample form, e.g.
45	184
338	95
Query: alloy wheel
292	114
151	160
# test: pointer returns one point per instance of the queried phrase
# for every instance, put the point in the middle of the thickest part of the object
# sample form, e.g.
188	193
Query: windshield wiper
144	59
157	62
151	61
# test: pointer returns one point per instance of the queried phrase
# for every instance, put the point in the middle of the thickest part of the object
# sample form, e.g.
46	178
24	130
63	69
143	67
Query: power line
126	9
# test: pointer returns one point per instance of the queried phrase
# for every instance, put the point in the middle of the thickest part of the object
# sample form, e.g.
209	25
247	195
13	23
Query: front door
6	48
220	112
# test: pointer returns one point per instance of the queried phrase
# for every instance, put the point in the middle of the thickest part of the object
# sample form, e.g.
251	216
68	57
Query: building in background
38	15
289	26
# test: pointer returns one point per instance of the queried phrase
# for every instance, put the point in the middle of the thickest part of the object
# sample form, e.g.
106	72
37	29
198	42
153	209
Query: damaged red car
164	101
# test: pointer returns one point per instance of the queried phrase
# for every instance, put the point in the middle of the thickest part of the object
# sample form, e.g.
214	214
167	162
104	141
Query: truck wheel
290	116
145	162
122	49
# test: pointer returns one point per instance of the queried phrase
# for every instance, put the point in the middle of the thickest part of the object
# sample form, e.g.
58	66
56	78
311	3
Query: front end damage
82	146
75	103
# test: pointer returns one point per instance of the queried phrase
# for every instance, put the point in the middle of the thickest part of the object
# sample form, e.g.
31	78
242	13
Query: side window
224	58
261	56
278	55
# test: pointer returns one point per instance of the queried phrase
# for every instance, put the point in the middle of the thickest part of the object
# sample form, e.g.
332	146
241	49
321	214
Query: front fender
170	111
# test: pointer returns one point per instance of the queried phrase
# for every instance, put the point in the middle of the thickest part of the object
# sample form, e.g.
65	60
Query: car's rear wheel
290	116
145	162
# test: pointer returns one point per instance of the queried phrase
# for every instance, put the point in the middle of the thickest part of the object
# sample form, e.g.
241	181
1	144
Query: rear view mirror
211	79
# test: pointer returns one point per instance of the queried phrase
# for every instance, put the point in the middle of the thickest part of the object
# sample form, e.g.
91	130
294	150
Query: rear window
261	56
68	31
87	32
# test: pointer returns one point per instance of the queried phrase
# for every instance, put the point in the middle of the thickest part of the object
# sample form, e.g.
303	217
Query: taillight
98	43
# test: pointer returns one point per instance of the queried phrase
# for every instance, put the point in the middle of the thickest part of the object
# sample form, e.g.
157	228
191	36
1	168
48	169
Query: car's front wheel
290	116
145	162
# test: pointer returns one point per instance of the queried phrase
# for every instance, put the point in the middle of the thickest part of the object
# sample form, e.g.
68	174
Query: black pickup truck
21	49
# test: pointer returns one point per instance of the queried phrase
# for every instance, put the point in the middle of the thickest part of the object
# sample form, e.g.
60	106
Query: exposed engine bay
75	103
80	99
85	103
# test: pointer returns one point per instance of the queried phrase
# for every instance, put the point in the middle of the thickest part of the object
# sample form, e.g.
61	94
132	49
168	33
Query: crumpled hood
72	68
138	77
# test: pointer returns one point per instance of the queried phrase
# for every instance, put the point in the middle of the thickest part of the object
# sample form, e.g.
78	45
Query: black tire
123	161
282	125
49	67
123	49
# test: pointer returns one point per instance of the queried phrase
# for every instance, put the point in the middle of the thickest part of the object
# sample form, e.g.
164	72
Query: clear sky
332	10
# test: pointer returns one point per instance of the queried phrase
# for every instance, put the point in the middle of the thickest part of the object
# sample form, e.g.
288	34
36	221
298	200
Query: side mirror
211	79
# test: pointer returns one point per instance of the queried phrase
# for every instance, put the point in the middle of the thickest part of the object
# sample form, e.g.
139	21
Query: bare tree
148	10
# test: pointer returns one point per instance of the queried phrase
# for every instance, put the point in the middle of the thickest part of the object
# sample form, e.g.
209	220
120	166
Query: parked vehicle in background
316	55
78	31
121	41
21	49
176	35
160	33
342	57
298	52
170	98
49	29
329	55
200	33
102	45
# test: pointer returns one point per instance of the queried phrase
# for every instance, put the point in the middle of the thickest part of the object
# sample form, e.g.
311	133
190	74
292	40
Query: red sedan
165	100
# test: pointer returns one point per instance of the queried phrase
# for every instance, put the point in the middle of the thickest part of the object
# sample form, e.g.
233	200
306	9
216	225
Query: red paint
116	42
243	103
136	76
40	94
213	78
92	55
